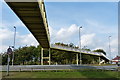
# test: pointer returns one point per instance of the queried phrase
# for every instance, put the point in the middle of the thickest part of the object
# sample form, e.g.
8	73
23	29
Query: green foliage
59	74
62	57
71	45
4	59
86	49
32	55
24	55
100	50
65	45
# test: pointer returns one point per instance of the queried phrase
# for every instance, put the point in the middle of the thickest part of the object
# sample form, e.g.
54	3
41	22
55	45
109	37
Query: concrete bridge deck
33	15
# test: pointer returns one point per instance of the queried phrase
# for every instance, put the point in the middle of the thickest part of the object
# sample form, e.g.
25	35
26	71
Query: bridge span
101	56
33	15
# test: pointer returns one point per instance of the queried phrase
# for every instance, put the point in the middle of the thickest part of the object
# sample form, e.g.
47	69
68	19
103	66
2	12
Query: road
55	67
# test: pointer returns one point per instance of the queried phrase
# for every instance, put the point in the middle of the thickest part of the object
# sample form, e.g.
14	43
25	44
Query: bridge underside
30	14
71	51
102	57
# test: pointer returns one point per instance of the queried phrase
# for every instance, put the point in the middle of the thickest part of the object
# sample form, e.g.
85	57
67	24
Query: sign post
8	65
9	51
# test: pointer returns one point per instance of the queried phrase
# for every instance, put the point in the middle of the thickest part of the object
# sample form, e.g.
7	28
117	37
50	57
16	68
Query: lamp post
109	46
80	43
14	46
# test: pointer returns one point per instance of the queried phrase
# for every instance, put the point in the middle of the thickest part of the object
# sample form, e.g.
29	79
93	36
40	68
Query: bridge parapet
74	49
105	56
44	16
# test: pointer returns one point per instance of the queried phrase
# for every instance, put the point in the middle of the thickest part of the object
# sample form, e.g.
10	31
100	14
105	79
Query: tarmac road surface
55	67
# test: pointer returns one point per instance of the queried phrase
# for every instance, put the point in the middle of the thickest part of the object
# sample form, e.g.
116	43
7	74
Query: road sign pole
8	65
41	56
9	51
99	60
49	57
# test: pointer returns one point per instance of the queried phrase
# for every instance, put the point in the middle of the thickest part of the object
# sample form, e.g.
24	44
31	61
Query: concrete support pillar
77	59
80	58
99	60
41	56
49	57
104	62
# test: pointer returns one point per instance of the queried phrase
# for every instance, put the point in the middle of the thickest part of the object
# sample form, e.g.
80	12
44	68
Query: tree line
32	56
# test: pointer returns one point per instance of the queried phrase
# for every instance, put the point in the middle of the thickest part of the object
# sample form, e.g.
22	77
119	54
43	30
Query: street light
80	43
109	46
14	46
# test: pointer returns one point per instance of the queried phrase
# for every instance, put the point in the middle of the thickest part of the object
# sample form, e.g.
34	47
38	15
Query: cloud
6	35
71	35
64	34
5	24
100	28
105	47
27	39
114	42
88	39
114	46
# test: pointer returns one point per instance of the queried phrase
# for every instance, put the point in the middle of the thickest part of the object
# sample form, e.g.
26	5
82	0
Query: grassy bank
64	74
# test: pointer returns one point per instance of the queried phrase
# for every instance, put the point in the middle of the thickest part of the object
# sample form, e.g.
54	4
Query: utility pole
13	46
109	46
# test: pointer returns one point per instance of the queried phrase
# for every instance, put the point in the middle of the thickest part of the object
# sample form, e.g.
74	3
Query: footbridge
78	51
33	15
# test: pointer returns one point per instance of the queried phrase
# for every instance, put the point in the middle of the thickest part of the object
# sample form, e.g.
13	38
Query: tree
100	50
31	55
26	55
86	49
4	59
86	59
71	45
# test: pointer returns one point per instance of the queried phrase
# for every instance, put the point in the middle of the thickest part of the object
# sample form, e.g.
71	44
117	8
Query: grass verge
64	74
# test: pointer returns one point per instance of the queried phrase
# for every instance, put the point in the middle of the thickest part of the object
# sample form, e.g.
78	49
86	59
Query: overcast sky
98	19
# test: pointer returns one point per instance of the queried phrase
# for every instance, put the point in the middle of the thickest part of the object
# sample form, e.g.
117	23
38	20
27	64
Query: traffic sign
9	51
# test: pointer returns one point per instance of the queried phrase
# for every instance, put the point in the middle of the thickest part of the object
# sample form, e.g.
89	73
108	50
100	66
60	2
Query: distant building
116	59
